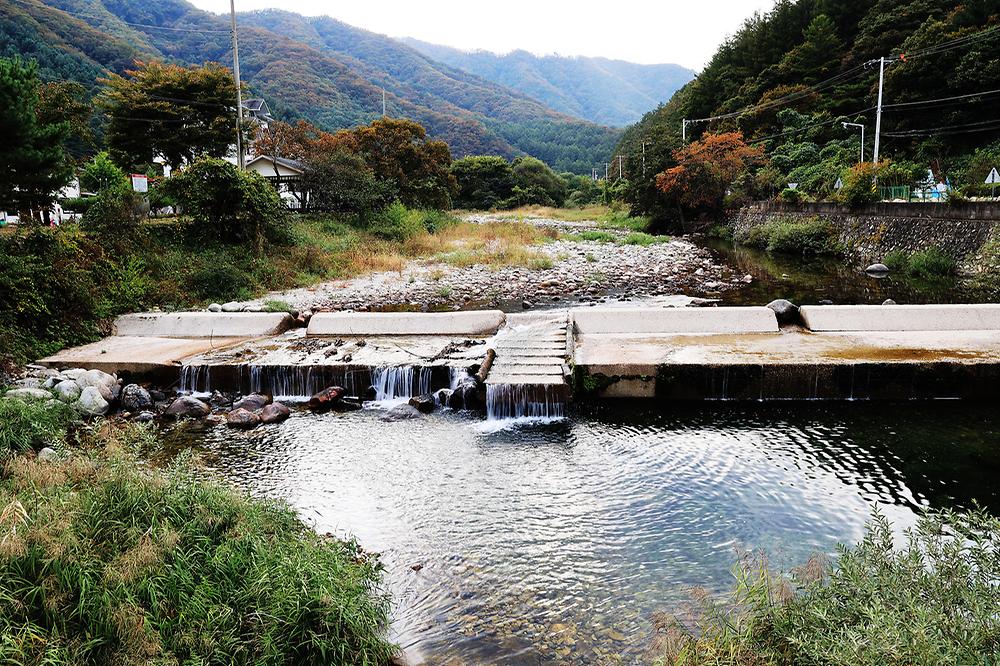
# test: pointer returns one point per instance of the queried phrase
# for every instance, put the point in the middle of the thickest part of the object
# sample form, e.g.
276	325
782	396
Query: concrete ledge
668	321
203	324
976	317
479	322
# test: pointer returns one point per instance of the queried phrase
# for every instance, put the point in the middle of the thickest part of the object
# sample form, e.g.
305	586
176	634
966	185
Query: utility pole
383	102
241	158
684	130
878	113
621	170
606	165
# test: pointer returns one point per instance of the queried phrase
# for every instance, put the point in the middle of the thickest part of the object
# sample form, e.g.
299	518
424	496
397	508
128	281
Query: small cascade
285	382
519	401
403	381
196	379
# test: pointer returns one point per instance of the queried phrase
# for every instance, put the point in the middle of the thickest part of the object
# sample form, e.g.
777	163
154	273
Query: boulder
401	413
786	311
423	403
888	301
327	398
28	394
348	405
92	402
105	383
145	417
215	307
232	306
877	269
75	373
135	398
274	413
243	419
253	402
46	454
67	390
188	407
30	382
443	396
465	395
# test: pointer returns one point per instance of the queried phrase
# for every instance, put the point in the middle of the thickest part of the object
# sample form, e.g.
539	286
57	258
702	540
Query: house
257	109
285	175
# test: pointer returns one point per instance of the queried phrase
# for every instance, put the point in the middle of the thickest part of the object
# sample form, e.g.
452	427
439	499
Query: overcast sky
647	31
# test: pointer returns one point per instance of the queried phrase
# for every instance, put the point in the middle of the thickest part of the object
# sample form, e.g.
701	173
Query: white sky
645	31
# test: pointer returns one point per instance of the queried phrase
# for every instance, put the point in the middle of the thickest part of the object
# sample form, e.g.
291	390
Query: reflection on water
556	541
806	281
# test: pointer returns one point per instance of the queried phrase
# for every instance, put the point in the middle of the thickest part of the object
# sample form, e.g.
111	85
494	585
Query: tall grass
31	425
934	601
102	561
928	264
807	237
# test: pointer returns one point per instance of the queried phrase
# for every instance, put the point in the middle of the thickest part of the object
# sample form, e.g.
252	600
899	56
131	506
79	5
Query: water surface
546	542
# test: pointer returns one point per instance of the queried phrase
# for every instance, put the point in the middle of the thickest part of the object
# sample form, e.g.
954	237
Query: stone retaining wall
871	232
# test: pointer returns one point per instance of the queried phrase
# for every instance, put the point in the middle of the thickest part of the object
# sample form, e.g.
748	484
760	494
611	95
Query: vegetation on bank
105	561
929	264
933	601
806	238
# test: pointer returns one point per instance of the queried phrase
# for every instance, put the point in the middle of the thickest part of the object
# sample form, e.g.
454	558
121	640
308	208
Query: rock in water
877	269
253	402
888	301
28	394
401	413
92	402
188	407
274	413
327	398
465	395
443	396
243	419
136	399
786	311
423	403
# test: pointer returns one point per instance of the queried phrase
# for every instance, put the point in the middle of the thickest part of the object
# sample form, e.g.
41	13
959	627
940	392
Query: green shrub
31	425
934	601
859	186
78	204
598	236
644	239
932	263
790	196
397	223
221	280
806	237
114	216
105	562
720	232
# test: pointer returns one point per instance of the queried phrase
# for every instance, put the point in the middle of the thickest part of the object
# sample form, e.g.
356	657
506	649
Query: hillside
609	92
790	78
291	62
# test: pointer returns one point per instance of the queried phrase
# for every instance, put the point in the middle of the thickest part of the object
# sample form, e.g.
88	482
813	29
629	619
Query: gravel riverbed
581	271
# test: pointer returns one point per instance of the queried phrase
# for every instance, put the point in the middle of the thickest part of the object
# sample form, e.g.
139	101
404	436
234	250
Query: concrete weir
837	353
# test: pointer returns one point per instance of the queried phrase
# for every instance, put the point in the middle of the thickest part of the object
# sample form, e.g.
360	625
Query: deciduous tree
705	169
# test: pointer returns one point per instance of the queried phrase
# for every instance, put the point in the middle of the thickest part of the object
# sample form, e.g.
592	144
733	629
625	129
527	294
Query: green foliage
929	264
598	236
114	215
399	223
644	239
229	205
484	182
790	196
806	238
535	183
179	113
859	186
166	567
101	174
341	182
33	161
31	424
931	602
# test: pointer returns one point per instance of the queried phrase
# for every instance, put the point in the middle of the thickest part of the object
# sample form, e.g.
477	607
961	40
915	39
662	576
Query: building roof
294	165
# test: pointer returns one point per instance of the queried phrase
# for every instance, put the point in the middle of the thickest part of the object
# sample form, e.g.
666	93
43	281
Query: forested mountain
790	78
610	92
316	69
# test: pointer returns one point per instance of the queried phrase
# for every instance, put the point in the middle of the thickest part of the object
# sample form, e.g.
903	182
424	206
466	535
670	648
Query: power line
944	129
812	125
985	93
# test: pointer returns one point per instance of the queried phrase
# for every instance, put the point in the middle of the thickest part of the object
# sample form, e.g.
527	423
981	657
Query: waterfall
404	381
196	379
517	401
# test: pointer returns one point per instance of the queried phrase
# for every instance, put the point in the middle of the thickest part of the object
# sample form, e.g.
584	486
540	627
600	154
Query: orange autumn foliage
706	168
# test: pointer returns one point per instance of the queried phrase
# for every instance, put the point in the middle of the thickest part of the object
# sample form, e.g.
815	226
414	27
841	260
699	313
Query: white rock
232	306
92	402
68	390
47	453
30	382
215	307
105	383
74	373
28	394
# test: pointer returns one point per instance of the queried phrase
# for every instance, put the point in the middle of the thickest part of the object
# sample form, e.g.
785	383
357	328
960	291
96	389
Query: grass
105	561
928	264
814	237
644	239
612	217
597	236
496	244
31	424
272	305
934	601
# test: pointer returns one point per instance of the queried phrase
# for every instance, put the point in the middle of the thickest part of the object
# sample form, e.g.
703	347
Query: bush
859	185
229	205
790	196
101	174
341	182
598	236
399	223
221	280
31	425
105	562
934	601
114	216
807	238
929	264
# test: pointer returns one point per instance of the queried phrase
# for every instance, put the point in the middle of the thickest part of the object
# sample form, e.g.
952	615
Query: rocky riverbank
577	270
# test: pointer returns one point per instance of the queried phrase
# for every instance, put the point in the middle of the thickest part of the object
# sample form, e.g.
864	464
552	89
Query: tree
815	58
68	101
33	161
229	205
341	182
179	113
484	181
293	142
536	183
706	169
101	173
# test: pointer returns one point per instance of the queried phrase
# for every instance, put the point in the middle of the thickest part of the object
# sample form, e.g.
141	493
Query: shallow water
556	541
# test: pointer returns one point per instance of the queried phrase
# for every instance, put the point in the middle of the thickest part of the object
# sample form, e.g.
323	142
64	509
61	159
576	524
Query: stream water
556	541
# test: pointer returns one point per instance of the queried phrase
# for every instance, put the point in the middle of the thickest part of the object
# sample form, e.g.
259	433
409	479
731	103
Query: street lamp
846	125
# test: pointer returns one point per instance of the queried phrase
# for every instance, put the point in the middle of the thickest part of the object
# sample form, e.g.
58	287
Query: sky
643	31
